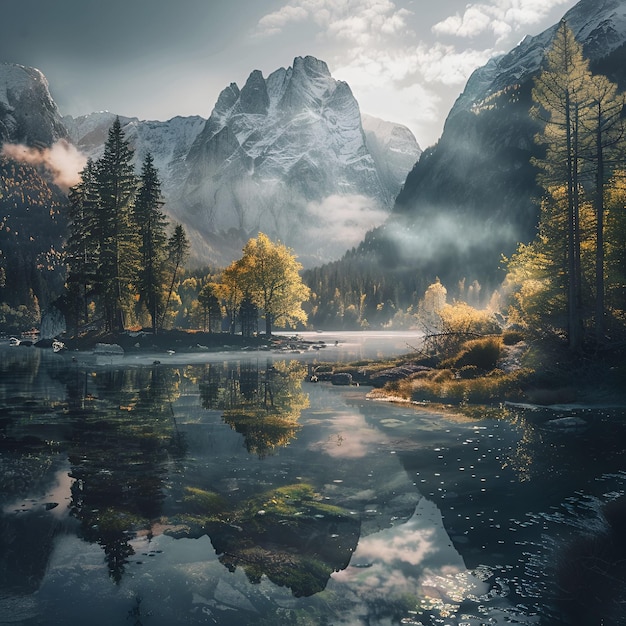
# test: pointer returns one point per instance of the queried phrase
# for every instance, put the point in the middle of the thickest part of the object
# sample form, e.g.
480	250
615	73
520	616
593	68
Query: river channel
226	488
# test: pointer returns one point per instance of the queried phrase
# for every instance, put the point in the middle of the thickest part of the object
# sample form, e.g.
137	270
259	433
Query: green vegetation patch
294	500
200	502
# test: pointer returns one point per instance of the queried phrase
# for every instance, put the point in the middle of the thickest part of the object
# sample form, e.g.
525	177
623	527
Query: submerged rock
567	423
108	348
341	379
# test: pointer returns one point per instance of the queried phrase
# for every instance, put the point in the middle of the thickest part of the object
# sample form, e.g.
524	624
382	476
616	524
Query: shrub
462	318
481	353
468	372
511	337
202	502
483	390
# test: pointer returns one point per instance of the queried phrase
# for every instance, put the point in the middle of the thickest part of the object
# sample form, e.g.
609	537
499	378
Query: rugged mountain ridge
32	207
28	114
288	155
473	196
169	142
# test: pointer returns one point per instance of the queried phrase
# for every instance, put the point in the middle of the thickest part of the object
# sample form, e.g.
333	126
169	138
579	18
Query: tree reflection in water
119	445
125	431
131	475
288	534
262	405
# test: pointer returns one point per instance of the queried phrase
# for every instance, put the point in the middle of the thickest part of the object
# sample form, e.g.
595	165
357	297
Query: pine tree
178	252
118	262
605	127
151	223
562	95
210	305
81	248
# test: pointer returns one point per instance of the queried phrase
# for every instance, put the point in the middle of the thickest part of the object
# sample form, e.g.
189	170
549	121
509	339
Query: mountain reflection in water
235	492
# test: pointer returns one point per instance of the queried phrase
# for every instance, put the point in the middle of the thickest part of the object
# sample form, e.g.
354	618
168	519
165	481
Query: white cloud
375	47
62	160
444	64
273	23
499	17
359	21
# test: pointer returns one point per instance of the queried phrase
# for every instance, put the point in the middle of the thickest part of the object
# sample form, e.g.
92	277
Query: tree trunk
574	334
599	201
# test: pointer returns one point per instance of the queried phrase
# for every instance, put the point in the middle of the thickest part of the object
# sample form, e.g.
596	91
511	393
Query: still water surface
226	489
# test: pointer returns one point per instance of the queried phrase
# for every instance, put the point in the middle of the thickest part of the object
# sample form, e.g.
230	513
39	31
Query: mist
446	233
62	160
341	221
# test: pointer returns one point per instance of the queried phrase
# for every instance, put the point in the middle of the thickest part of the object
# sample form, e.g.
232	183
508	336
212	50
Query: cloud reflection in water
414	560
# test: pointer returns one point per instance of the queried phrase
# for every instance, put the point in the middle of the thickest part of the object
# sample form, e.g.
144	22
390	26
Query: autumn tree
269	274
432	304
229	291
562	98
604	125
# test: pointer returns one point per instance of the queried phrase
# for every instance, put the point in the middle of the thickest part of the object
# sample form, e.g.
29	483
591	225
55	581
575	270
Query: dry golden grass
444	386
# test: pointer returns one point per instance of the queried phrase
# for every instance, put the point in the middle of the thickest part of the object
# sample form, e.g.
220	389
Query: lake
227	489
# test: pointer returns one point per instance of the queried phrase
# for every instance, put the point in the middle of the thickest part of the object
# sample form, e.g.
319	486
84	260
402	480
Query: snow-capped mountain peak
280	143
598	24
28	114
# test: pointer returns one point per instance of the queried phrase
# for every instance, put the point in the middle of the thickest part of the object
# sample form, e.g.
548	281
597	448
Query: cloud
375	47
62	160
445	65
500	18
342	220
357	21
274	23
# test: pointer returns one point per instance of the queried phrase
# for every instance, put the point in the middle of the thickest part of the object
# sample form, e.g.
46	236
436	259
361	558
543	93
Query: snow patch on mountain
28	114
599	24
279	154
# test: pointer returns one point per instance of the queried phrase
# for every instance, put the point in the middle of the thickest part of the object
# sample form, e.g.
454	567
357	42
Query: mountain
32	206
393	149
28	114
169	142
473	196
288	155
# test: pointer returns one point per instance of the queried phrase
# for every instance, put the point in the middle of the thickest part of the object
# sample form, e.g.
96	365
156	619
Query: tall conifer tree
151	222
82	246
604	125
178	250
117	185
562	95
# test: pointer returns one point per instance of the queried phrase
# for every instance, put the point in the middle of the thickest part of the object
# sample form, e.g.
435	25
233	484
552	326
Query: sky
406	61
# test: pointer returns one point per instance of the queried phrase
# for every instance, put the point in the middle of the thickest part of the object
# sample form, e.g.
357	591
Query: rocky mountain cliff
289	155
472	196
32	207
28	114
169	142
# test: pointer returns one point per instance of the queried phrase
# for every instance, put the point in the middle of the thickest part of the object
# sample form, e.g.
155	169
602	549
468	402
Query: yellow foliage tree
269	274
